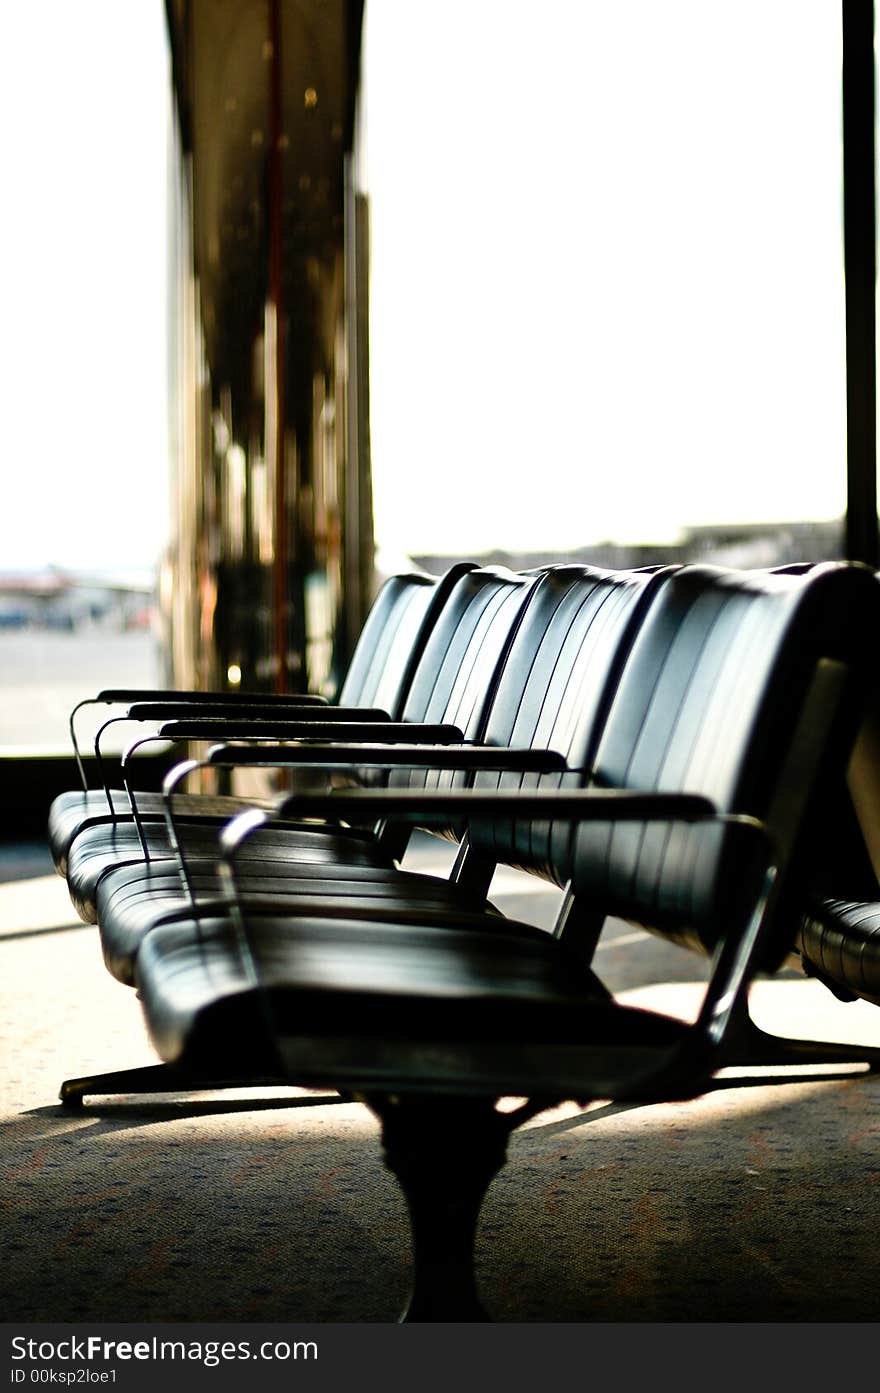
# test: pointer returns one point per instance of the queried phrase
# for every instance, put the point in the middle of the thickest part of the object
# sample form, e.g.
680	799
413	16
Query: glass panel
606	290
84	93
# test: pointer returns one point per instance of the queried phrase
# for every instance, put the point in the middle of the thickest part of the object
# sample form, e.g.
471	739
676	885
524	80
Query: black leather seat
477	1005
552	693
839	935
455	665
378	676
744	690
839	942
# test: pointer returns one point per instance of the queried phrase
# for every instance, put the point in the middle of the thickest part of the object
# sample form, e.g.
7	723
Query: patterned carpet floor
756	1202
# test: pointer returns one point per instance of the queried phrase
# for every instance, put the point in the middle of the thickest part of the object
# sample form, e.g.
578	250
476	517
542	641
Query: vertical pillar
270	551
274	401
859	222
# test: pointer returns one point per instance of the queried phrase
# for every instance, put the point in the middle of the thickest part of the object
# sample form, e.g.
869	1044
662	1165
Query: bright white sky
607	287
83	96
606	291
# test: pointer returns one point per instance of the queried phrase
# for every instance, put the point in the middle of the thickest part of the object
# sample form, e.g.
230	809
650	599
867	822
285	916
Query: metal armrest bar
99	758
119	695
437	744
277	712
71	724
335	731
575	805
124	767
115	696
243	727
476	757
305	754
569	804
174	777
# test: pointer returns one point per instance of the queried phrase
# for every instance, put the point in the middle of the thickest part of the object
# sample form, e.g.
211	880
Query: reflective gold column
269	571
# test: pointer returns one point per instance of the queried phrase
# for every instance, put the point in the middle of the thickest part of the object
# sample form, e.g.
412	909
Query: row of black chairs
687	748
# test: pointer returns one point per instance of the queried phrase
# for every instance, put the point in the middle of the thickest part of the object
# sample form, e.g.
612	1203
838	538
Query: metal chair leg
748	1044
444	1153
153	1078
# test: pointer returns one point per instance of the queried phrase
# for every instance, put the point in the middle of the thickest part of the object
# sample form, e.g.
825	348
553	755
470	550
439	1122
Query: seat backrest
553	694
456	673
393	638
527	660
745	687
455	678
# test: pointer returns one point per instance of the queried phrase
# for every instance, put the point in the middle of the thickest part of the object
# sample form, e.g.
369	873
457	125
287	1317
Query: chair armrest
432	755
255	711
294	731
124	695
465	757
118	696
330	733
575	805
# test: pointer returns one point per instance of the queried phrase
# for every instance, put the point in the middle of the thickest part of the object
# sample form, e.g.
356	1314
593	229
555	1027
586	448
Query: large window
83	95
607	278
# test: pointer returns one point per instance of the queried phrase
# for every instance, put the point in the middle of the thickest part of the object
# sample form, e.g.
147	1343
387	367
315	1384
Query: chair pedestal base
747	1044
153	1078
444	1153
